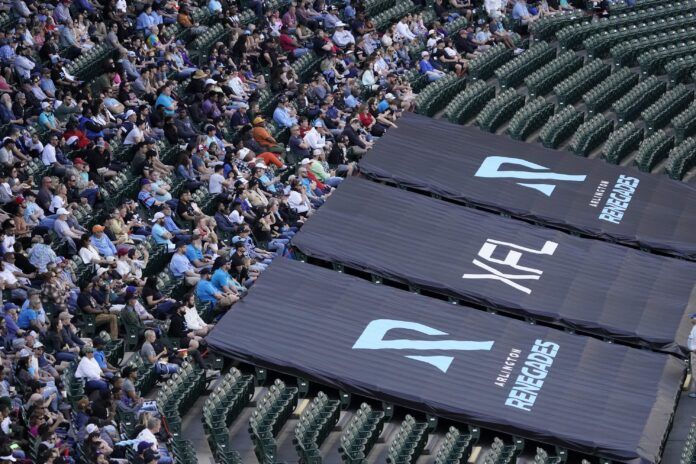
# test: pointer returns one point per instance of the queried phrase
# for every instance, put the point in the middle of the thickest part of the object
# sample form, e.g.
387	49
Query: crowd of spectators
221	184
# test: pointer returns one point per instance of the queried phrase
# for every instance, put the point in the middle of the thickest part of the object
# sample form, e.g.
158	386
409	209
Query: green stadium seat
581	81
468	103
560	126
532	116
591	134
499	110
512	73
608	91
681	159
638	98
653	149
456	446
409	442
361	434
667	107
621	142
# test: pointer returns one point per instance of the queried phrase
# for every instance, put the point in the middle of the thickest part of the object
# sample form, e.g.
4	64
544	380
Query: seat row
599	45
468	103
654	61
502	453
638	98
626	53
574	86
653	149
179	393
532	116
541	81
88	65
680	70
483	66
269	417
512	73
315	425
681	158
546	27
409	442
689	452
560	126
456	446
600	97
684	123
591	134
499	110
390	15
667	107
573	36
542	457
361	434
224	404
435	95
621	142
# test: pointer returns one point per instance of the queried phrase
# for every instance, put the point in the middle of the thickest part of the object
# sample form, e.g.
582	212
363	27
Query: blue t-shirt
166	101
157	231
221	278
205	291
26	316
193	253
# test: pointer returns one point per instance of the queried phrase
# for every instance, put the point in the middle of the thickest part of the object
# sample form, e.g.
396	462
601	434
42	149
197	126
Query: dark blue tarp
455	362
483	258
555	188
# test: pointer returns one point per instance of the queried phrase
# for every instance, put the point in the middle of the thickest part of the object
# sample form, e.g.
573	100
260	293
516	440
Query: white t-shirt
57	202
296	203
88	254
88	369
215	183
235	217
48	155
692	339
134	136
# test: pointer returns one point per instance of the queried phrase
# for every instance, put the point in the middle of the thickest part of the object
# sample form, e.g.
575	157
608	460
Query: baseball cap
91	428
258	120
158	215
72	139
129	113
62	211
98	228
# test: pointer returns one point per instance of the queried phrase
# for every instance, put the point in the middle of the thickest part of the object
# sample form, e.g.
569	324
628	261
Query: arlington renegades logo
490	168
372	338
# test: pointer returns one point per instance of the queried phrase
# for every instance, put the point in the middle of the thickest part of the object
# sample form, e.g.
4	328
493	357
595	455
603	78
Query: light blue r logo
491	168
372	338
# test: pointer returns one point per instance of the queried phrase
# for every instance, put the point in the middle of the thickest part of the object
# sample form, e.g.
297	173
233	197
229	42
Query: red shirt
366	119
286	43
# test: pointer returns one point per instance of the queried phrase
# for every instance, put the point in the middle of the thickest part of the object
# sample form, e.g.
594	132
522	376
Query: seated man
160	361
181	267
208	293
89	370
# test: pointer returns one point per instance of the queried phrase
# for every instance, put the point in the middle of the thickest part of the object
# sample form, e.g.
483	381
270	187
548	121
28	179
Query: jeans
298	52
65	356
96	384
278	245
333	181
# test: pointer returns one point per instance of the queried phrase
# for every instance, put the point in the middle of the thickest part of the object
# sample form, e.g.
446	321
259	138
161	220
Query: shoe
519	51
692	395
